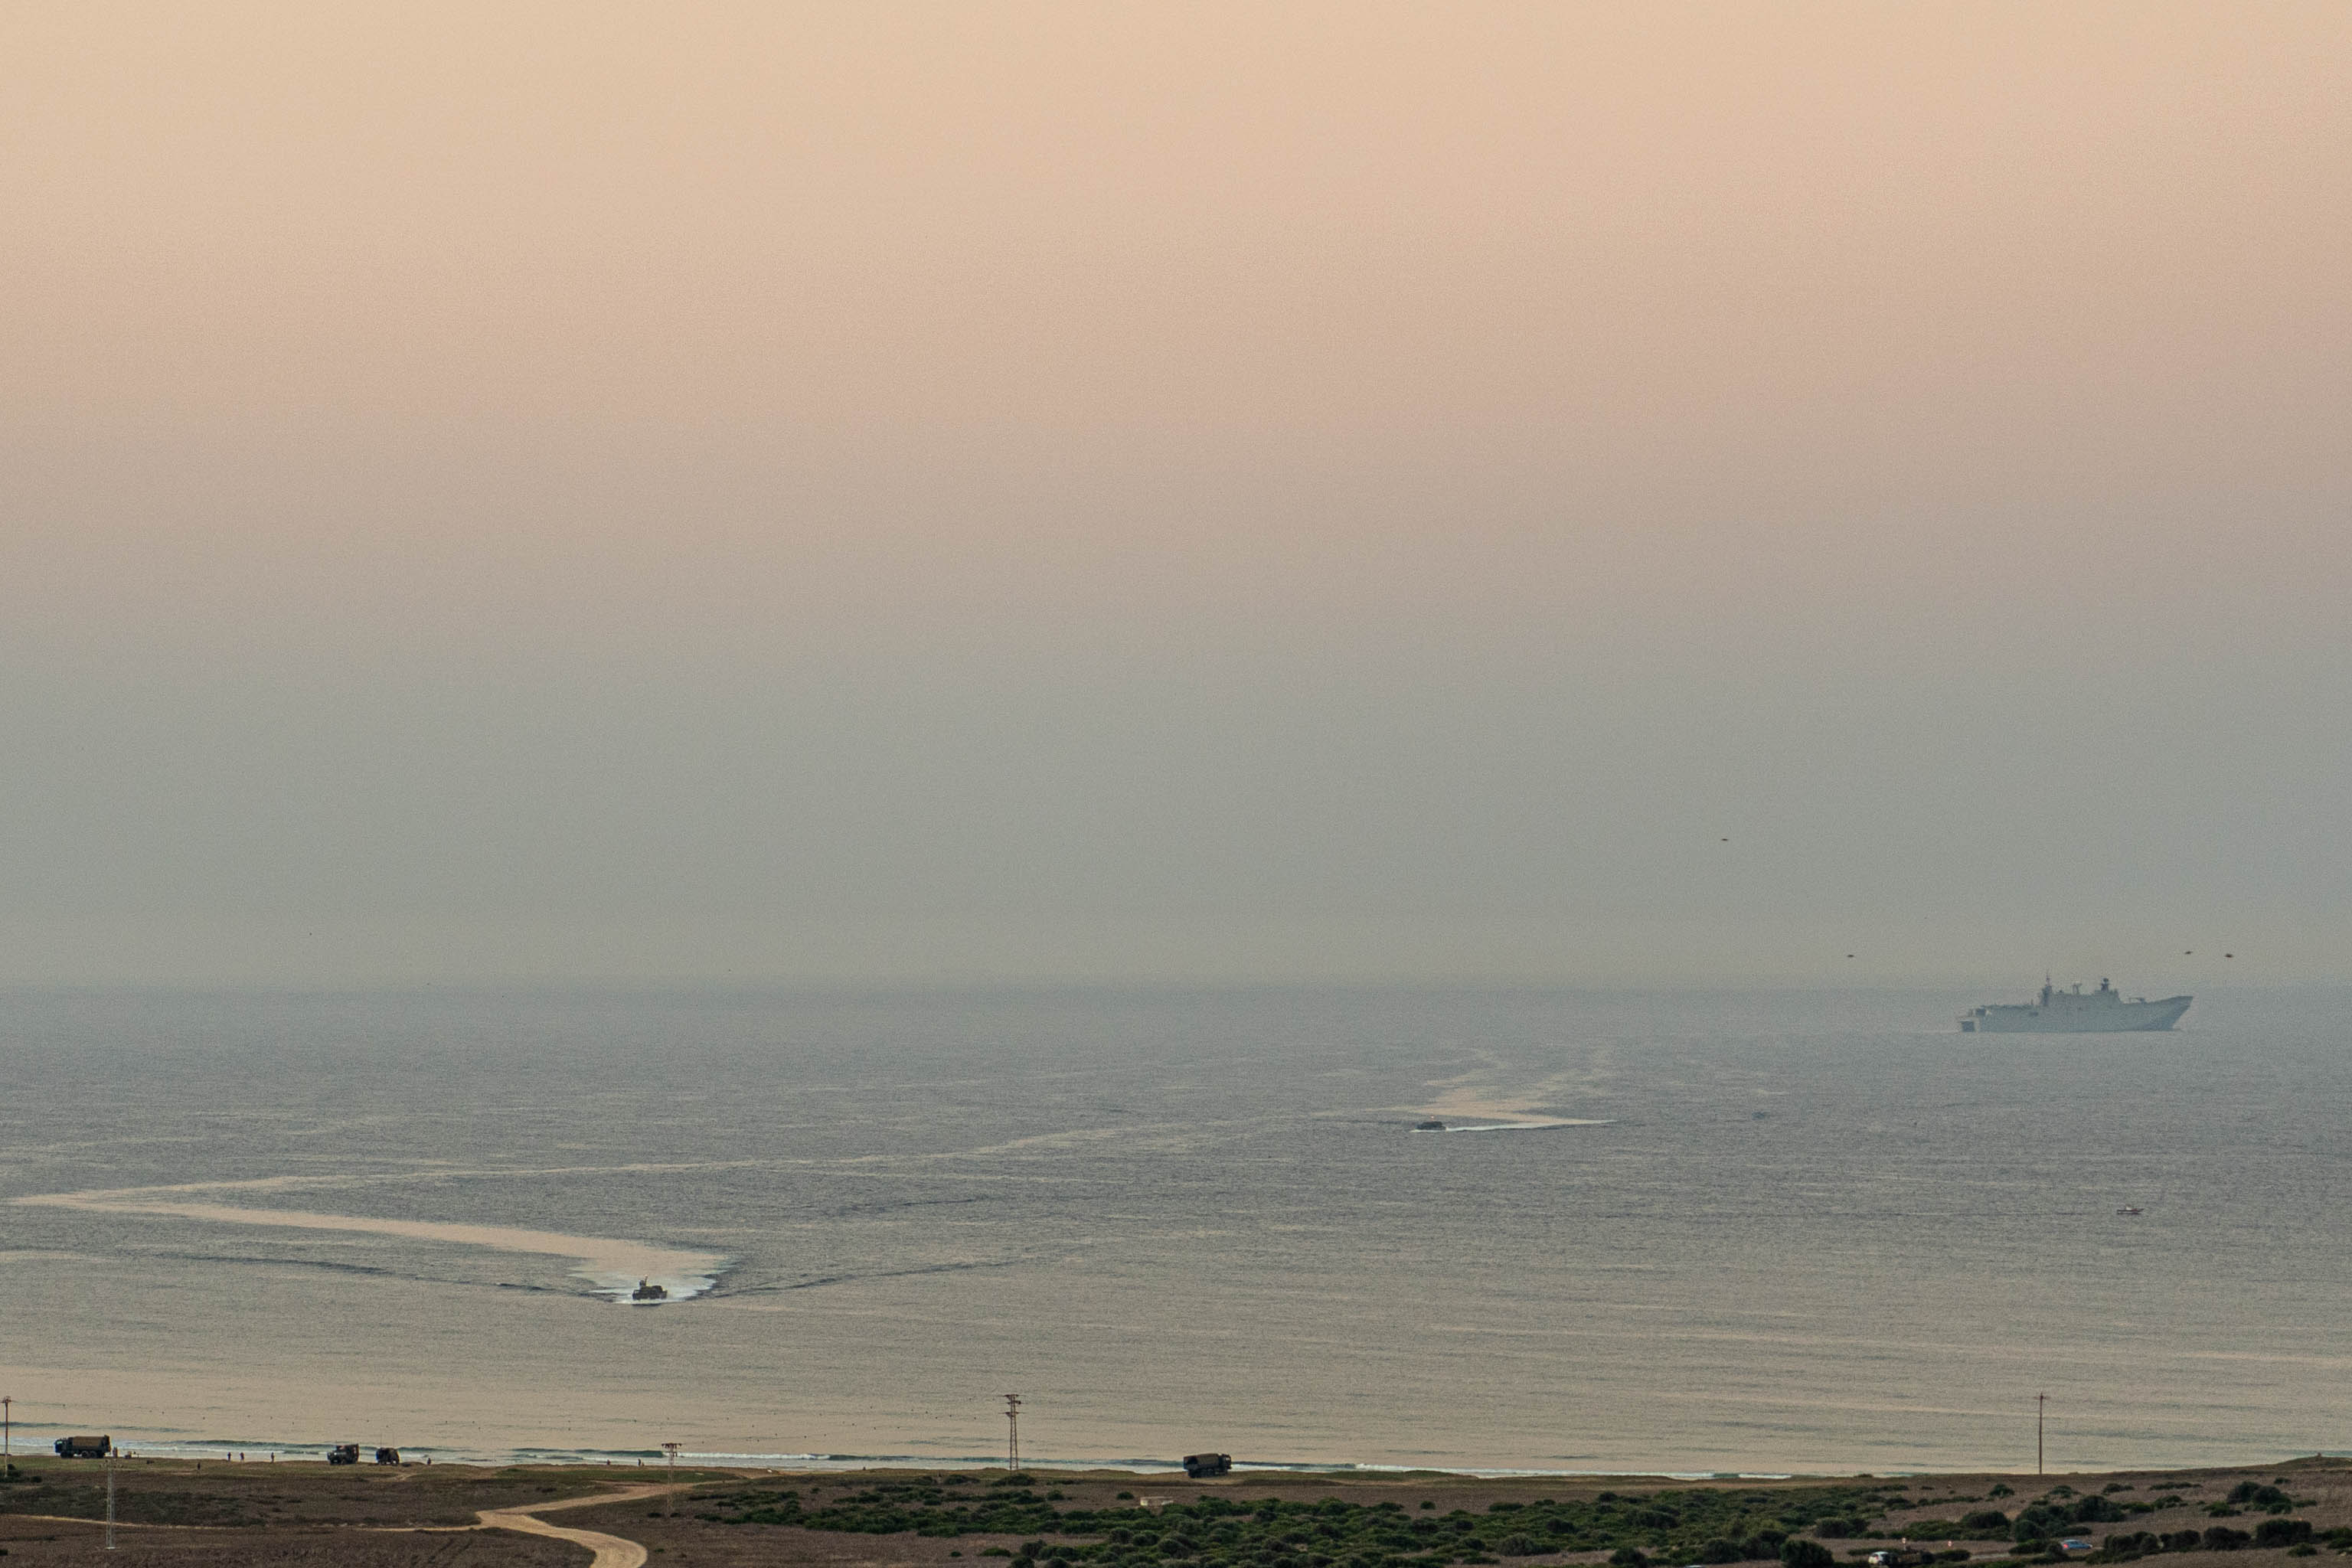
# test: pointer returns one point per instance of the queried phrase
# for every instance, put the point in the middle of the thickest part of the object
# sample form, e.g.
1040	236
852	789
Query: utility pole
6	1452
2040	1399
109	1496
1013	1432
671	1449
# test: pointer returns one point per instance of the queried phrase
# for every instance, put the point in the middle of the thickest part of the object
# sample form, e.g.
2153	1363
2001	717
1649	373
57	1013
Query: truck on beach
344	1454
96	1447
1199	1465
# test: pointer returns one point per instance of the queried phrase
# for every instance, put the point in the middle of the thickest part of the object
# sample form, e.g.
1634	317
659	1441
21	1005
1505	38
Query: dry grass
32	1540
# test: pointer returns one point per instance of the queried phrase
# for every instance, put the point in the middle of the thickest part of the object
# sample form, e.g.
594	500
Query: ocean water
1698	1232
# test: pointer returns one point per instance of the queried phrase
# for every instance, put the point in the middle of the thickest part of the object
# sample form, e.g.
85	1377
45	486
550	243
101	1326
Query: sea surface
1757	1232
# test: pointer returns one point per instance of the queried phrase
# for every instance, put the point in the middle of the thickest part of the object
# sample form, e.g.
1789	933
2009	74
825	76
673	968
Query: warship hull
2055	1012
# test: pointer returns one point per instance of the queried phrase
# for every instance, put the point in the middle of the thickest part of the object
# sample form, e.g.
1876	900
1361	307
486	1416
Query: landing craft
2056	1012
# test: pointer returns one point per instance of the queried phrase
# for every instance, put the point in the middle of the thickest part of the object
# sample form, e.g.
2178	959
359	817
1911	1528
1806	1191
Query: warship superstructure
2076	1012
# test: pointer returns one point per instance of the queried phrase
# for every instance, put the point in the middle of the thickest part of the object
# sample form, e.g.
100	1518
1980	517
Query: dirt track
612	1551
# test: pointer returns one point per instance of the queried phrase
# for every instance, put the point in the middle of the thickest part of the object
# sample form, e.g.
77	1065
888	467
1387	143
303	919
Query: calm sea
1704	1232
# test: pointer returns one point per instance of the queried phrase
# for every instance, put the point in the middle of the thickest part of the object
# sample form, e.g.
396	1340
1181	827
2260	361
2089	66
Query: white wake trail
612	1265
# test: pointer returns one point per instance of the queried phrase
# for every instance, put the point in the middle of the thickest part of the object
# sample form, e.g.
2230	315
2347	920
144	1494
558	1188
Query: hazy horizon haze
880	493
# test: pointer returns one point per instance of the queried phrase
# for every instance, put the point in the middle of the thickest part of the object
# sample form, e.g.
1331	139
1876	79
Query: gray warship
2076	1012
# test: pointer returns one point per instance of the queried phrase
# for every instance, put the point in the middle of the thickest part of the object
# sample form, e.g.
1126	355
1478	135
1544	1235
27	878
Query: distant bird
2188	952
2228	955
1848	955
1723	841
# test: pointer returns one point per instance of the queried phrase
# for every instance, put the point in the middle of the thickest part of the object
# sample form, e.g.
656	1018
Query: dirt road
612	1551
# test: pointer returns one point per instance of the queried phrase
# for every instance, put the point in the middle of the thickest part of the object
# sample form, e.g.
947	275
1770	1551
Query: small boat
2131	1208
1432	1125
647	1290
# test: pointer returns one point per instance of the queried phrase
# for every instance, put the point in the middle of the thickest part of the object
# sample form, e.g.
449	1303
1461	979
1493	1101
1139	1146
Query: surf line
612	1265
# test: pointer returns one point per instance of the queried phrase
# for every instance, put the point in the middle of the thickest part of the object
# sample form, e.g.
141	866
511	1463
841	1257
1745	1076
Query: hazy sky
870	492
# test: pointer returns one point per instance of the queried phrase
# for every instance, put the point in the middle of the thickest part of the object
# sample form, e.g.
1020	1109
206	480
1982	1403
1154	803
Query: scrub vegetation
1709	1525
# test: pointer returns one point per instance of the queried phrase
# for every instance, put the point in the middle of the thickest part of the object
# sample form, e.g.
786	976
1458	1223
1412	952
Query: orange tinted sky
1563	366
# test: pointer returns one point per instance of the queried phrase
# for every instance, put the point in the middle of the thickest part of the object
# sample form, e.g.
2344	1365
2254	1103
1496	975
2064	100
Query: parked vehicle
84	1447
1199	1465
344	1454
387	1456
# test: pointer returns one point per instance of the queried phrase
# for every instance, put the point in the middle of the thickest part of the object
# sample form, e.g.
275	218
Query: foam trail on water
612	1265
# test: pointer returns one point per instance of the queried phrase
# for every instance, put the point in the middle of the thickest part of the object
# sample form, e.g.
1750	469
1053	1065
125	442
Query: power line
1013	1431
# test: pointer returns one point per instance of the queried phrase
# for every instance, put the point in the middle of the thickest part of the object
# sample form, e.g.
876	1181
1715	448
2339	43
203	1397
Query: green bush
2039	1522
1797	1552
1674	1525
1984	1524
2281	1532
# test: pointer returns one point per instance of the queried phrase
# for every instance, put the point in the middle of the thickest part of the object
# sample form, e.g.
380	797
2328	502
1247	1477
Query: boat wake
611	1267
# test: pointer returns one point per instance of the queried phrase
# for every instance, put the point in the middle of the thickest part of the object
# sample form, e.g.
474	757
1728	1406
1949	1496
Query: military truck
344	1454
84	1447
387	1456
1199	1465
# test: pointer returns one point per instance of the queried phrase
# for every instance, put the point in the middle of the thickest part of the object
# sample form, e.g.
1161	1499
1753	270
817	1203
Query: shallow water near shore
1751	1232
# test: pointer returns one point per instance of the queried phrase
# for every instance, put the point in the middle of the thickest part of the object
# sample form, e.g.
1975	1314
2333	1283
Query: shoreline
35	1445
